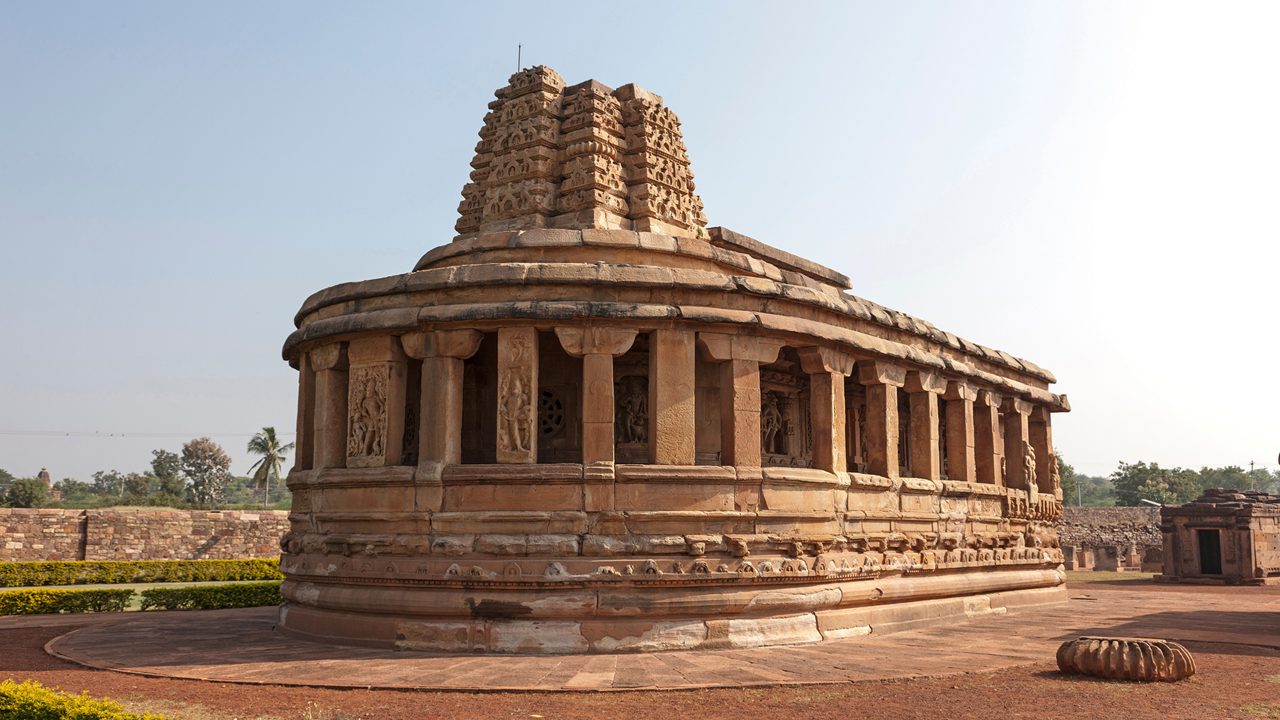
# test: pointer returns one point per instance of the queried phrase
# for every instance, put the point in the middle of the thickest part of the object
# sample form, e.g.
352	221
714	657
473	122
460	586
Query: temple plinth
590	423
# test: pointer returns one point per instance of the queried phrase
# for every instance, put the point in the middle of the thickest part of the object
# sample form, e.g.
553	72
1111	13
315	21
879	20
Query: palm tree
267	468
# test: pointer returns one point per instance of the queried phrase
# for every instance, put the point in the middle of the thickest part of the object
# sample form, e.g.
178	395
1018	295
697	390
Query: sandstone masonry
152	534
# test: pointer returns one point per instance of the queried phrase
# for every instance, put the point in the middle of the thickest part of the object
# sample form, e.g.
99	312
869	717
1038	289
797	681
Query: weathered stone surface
1136	659
620	433
54	534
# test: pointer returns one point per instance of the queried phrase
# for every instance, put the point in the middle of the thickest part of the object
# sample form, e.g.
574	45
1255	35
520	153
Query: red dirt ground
1233	681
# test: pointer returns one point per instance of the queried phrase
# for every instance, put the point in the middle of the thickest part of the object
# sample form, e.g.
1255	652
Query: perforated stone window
550	414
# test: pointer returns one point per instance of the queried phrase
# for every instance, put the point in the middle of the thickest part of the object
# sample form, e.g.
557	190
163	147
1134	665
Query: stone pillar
672	429
882	381
960	440
740	358
923	389
517	395
597	347
827	369
440	413
304	450
1016	439
1041	438
330	365
375	401
986	438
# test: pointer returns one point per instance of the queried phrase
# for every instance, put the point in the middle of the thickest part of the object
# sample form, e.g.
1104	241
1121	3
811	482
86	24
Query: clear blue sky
1092	186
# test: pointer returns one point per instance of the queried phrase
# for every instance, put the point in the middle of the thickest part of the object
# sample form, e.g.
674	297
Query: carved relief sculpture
631	423
368	407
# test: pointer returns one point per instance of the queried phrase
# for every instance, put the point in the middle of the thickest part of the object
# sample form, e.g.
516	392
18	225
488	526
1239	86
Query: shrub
85	572
217	597
37	602
32	701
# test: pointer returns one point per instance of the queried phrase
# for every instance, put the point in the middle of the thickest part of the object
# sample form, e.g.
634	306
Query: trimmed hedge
32	701
217	597
90	572
39	602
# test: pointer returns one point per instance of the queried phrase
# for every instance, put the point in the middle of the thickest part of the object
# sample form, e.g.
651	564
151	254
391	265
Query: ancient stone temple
1224	536
591	423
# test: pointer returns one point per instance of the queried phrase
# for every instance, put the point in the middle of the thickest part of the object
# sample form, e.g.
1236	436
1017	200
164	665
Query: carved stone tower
578	157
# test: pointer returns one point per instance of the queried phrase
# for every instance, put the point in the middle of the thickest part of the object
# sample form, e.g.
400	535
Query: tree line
199	476
1131	483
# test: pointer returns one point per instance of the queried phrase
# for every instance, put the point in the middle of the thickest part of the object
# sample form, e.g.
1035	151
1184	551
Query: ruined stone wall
148	534
1092	527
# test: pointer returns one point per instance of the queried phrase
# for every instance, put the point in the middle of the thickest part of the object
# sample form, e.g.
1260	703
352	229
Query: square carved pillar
827	369
330	365
440	413
882	381
375	402
672	432
304	450
987	442
597	347
740	357
1041	438
1019	460
960	432
517	395
923	389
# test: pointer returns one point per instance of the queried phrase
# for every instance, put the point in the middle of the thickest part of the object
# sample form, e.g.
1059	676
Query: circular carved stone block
1137	659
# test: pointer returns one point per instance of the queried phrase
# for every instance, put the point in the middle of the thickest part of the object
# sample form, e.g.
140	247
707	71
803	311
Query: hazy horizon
1090	186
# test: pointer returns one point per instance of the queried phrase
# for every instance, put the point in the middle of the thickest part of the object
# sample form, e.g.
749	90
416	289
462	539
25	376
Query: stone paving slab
240	646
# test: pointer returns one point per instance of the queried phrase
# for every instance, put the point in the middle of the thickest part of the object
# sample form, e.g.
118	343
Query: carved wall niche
518	396
559	414
412	406
786	430
368	423
631	402
942	439
904	434
707	411
855	425
480	403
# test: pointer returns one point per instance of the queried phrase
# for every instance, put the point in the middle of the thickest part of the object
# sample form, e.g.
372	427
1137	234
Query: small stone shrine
590	423
1224	536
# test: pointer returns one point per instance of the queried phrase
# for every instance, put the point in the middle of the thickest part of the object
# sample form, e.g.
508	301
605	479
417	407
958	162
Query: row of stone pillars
352	399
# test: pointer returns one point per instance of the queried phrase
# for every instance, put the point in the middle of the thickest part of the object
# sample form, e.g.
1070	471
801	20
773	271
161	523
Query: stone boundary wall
1091	527
146	534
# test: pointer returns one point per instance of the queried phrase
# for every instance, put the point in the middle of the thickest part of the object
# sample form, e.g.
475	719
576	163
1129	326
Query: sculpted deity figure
1029	463
771	423
632	417
516	416
368	417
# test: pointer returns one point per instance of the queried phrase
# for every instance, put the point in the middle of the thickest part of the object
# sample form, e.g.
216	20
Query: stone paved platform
239	646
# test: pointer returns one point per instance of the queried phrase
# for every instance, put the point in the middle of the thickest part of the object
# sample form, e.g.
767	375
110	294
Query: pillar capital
919	381
825	360
1017	405
878	372
579	341
372	350
723	346
987	398
460	344
328	357
1040	413
960	390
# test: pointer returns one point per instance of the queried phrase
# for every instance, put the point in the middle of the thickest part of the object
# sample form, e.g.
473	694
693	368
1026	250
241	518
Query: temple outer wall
154	534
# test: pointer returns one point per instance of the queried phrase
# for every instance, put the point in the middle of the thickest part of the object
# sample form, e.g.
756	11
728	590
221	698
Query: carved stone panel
368	420
517	389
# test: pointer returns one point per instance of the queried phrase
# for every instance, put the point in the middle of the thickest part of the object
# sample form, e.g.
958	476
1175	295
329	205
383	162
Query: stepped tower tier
591	423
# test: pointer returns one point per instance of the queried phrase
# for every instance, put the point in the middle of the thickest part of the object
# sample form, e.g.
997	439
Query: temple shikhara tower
591	423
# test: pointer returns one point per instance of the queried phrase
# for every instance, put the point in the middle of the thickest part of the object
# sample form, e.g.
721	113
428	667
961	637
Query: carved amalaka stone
1137	659
591	424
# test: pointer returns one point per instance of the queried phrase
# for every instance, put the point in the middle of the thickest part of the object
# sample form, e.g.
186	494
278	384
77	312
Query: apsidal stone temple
591	423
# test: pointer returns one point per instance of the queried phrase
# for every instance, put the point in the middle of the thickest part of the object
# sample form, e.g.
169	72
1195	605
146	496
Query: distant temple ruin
590	423
1224	536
